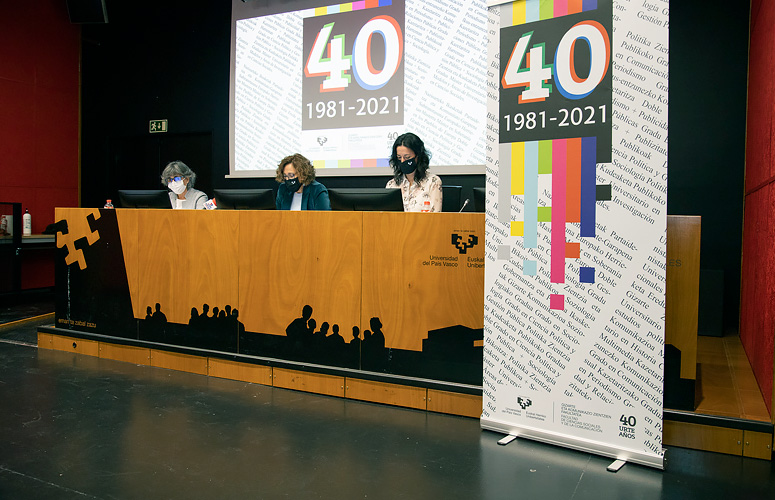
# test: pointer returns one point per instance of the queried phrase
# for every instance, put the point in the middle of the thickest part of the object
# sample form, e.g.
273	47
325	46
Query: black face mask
408	166
293	185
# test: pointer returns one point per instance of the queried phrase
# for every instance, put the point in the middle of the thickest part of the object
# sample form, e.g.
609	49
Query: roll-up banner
576	191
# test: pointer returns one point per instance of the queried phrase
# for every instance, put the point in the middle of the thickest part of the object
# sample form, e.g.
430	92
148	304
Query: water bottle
426	207
26	223
108	204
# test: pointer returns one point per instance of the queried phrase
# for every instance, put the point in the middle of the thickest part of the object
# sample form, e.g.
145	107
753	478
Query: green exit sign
155	126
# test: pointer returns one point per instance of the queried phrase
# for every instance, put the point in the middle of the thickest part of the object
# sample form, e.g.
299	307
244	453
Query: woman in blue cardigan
298	188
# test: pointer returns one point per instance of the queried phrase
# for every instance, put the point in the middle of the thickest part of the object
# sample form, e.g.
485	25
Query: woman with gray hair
180	180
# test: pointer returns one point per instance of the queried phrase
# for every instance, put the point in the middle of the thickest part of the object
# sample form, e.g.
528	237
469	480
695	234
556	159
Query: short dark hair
411	141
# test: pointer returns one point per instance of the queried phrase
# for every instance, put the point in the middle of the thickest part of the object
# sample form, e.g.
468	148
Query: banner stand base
573	442
616	465
506	440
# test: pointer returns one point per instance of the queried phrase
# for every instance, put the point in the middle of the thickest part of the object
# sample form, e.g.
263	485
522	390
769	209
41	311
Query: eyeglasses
177	178
288	177
403	158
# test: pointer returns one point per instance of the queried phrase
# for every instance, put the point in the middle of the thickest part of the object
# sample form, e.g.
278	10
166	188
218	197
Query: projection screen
339	82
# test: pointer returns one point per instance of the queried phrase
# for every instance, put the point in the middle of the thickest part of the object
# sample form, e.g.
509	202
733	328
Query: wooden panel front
234	370
703	437
757	445
129	354
467	405
127	226
179	362
318	383
415	279
44	340
683	289
187	258
79	346
391	394
292	259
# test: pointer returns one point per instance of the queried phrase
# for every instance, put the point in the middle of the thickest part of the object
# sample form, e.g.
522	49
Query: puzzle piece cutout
77	228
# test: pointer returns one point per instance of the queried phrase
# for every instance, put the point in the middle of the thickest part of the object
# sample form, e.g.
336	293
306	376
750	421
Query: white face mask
177	187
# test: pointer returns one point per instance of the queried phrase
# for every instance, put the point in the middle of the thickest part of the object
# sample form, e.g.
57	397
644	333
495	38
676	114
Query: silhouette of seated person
320	335
373	352
335	339
298	327
356	340
354	356
148	313
235	318
156	323
192	321
377	337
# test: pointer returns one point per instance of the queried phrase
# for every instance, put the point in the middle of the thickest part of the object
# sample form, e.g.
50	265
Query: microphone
465	203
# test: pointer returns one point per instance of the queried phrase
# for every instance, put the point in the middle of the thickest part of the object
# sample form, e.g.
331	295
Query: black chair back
450	201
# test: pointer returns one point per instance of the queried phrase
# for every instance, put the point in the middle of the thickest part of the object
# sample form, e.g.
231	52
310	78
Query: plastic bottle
108	204
426	207
26	223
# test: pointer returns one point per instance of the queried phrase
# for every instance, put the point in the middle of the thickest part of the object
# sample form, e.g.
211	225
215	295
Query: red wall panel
39	91
757	299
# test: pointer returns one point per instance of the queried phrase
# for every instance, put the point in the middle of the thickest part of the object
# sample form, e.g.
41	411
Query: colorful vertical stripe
573	184
517	168
587	186
559	159
354	163
346	7
530	11
531	194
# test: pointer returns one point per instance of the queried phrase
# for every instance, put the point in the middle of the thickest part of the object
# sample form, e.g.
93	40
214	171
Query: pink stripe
560	8
559	153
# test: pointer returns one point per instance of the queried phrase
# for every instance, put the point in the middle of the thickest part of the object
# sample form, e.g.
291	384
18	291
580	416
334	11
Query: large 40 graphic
536	74
329	57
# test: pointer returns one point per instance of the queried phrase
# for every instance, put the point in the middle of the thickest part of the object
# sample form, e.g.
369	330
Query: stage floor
76	426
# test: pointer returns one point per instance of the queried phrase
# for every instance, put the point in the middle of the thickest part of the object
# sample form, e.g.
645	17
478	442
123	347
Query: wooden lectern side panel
682	289
417	279
186	259
292	259
127	228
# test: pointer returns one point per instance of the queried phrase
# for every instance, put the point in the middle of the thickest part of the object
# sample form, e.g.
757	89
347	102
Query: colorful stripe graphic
530	11
346	7
572	165
365	163
557	257
588	189
531	194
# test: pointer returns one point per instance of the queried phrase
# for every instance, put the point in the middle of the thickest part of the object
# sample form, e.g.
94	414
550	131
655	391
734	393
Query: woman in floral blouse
421	190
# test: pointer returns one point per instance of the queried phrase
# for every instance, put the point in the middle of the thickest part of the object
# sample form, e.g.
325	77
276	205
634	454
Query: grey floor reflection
82	427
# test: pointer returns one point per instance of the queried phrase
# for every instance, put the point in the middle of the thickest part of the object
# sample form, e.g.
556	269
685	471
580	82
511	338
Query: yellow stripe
519	12
517	168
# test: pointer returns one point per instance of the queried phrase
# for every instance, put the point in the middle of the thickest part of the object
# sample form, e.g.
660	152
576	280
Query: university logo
463	246
524	402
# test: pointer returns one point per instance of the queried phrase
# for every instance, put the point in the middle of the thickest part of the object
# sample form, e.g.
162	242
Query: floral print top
415	195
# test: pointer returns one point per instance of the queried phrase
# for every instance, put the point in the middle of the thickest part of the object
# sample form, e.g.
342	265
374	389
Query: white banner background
590	376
